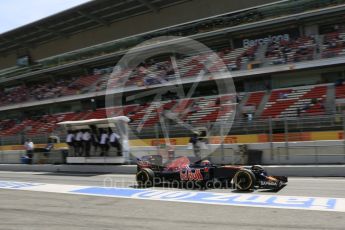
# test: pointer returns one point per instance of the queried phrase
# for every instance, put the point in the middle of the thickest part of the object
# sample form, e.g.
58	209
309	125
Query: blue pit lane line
199	197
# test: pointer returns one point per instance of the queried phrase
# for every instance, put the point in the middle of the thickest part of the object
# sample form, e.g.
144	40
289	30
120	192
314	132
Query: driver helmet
258	168
205	163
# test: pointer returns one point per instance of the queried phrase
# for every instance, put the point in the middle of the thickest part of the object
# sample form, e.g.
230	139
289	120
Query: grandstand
285	57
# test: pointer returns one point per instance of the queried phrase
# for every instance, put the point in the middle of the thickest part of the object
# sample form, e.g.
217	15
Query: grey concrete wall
14	157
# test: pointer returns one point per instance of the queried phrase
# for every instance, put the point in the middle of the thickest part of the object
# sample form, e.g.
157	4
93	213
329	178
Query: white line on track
23	173
330	179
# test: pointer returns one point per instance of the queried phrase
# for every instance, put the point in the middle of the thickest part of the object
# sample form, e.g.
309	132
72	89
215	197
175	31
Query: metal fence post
343	117
270	137
286	133
316	155
157	136
2	152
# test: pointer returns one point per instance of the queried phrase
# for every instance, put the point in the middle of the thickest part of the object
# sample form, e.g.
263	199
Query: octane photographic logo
158	84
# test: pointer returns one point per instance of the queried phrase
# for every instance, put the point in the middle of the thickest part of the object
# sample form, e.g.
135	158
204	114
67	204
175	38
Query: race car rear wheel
244	180
145	178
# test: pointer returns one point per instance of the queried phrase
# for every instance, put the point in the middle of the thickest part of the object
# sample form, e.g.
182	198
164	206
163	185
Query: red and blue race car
192	173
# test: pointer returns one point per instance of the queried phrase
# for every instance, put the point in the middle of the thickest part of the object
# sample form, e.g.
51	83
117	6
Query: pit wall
278	153
295	153
232	139
250	138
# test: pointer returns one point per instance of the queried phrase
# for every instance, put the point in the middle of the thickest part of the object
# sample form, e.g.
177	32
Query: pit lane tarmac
29	209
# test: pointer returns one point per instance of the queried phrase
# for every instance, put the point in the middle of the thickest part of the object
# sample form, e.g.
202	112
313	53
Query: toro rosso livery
204	174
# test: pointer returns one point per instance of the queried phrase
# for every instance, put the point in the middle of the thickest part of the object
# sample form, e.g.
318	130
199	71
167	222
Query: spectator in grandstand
70	140
314	101
217	101
170	96
150	78
29	147
298	112
104	142
86	142
318	50
115	142
339	82
194	108
238	100
283	95
79	143
268	85
250	117
285	56
166	68
322	104
169	69
306	106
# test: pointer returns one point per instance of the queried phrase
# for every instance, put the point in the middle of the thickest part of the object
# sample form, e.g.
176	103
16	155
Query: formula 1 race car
204	174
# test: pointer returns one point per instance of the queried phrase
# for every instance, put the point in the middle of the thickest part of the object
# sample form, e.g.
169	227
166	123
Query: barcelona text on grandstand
247	43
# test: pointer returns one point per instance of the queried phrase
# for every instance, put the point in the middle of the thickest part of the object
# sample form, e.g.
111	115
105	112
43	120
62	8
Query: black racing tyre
190	185
244	180
145	178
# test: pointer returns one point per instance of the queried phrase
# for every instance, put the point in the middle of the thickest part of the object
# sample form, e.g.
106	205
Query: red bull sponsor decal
191	175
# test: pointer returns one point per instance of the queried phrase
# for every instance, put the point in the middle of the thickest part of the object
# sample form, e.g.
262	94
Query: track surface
37	210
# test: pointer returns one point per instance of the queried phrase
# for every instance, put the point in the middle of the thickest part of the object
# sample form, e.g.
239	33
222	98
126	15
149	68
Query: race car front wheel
145	178
244	180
